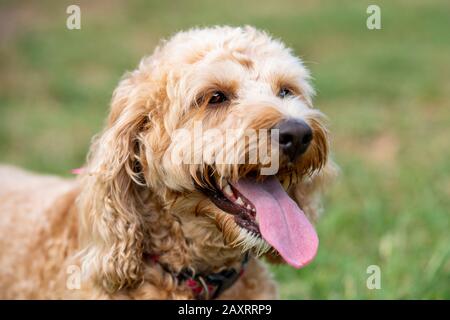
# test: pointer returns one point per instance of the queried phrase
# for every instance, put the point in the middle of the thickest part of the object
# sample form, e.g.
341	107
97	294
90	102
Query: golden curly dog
140	224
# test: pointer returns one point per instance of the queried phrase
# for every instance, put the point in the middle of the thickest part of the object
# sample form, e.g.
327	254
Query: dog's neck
187	238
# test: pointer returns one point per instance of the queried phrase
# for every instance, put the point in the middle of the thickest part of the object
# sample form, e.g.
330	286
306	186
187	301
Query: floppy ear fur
111	203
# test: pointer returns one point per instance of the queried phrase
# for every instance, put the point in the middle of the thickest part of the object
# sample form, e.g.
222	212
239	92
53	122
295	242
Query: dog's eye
217	98
284	92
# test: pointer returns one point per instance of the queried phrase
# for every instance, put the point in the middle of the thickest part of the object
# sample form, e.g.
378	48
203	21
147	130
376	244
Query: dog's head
212	140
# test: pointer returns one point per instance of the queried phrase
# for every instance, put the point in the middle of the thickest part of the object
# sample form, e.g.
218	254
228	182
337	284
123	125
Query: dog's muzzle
294	137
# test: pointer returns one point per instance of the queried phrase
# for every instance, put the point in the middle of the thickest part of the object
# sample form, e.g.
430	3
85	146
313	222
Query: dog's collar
208	286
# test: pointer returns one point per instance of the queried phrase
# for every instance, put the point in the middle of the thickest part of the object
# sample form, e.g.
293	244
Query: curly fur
133	201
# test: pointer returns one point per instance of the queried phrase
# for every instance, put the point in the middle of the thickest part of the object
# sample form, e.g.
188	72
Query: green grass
386	92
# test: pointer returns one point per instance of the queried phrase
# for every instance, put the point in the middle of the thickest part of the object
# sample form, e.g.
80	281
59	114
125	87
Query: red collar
208	286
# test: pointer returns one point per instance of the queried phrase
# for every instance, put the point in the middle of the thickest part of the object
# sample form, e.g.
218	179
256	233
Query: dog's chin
238	236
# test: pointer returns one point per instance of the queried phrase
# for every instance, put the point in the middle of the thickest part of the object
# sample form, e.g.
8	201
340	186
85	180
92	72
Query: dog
138	223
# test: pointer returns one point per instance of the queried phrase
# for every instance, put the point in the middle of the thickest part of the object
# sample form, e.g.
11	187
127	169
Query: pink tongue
282	223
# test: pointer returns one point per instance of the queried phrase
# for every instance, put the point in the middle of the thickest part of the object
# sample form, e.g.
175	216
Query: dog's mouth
229	199
265	210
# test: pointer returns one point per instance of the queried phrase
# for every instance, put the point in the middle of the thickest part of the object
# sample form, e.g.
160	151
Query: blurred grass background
386	92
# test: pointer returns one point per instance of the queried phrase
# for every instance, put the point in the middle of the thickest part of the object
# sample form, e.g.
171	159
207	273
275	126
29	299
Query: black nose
294	137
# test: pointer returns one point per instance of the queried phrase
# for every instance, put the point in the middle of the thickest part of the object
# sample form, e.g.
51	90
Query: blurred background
386	92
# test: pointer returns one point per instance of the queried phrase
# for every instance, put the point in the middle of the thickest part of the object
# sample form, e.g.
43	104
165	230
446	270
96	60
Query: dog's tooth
285	183
249	207
239	201
223	183
253	209
227	190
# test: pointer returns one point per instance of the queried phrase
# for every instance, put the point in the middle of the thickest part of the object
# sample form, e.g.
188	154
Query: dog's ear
111	203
